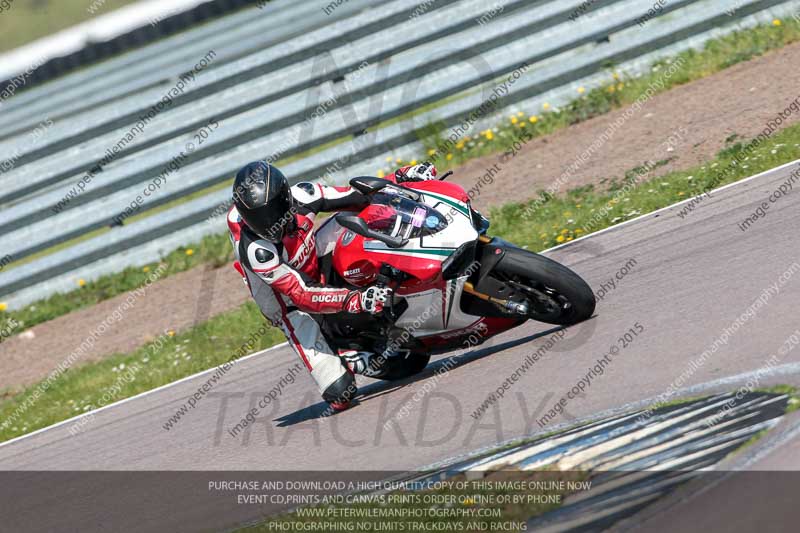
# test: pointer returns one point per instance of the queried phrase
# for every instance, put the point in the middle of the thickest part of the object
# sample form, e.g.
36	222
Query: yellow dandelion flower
389	159
146	269
567	213
616	75
449	157
564	231
3	307
489	135
460	145
578	206
533	119
578	231
189	252
514	120
380	174
431	151
611	89
398	161
560	238
413	162
522	124
520	114
581	90
681	193
81	283
620	86
569	239
171	333
776	22
545	106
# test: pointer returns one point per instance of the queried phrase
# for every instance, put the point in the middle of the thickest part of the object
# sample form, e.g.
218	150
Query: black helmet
261	195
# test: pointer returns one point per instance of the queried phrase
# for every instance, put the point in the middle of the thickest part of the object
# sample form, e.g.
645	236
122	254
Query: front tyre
555	294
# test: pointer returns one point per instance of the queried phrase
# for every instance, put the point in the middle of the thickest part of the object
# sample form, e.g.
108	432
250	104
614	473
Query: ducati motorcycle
453	283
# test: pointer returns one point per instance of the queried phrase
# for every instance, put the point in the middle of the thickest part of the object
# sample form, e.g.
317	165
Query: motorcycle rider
272	231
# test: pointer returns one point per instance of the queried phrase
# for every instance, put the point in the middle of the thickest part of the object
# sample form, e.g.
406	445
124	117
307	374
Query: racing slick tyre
556	294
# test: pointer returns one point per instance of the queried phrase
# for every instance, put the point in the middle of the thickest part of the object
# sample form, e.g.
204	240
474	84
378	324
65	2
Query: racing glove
370	300
422	172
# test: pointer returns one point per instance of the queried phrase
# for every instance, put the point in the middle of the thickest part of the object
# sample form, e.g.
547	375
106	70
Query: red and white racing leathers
286	284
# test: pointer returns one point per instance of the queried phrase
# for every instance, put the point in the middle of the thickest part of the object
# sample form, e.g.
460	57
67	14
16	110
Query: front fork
489	289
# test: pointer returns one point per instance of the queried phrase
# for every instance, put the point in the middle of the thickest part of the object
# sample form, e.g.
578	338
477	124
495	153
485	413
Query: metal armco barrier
285	80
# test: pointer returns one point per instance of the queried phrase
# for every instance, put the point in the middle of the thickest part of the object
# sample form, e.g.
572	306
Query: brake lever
446	175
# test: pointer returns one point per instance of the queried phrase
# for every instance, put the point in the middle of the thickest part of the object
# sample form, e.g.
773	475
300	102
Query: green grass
584	210
213	250
717	55
556	221
164	360
789	390
619	91
27	20
561	219
791	405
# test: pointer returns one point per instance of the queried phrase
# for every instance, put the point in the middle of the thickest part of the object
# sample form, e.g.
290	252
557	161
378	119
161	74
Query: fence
330	93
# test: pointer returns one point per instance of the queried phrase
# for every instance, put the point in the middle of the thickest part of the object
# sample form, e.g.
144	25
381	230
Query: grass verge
619	91
561	219
717	55
558	220
165	359
213	250
27	20
584	210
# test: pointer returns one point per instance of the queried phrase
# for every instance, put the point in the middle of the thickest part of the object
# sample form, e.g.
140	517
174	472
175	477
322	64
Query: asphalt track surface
693	277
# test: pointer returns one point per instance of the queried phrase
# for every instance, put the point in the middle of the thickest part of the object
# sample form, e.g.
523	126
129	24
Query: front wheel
554	293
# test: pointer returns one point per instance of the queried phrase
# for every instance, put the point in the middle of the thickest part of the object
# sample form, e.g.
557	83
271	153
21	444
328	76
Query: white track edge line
145	393
666	208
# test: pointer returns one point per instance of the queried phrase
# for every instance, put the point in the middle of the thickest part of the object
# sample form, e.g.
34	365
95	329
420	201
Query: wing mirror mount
359	226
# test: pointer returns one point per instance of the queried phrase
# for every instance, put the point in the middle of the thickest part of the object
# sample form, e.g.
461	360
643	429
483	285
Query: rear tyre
556	294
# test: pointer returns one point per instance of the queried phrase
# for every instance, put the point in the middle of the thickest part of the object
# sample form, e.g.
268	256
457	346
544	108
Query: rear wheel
555	294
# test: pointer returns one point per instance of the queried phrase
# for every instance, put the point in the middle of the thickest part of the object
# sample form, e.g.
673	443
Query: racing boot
340	394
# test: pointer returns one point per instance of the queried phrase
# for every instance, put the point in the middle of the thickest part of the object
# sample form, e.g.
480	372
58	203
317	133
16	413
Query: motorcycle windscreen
402	217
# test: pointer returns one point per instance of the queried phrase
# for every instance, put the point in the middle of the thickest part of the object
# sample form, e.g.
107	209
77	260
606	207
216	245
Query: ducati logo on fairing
328	298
